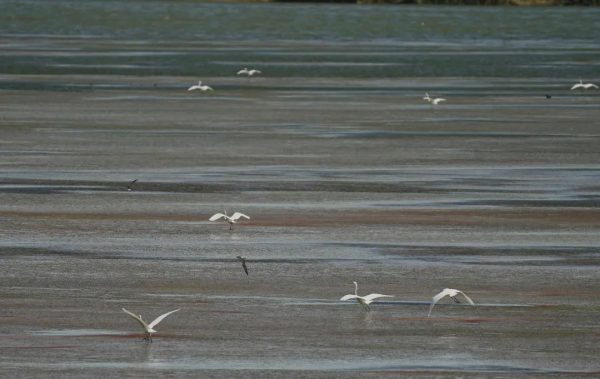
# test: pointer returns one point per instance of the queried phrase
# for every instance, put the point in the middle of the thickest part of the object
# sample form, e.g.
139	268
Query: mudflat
347	173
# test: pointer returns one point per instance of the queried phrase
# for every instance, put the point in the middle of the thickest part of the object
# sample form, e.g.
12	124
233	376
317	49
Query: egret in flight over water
200	86
229	219
148	328
434	101
243	260
583	85
452	294
251	72
363	300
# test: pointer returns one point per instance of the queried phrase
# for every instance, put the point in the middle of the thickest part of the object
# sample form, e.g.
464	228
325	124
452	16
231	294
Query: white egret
434	101
148	328
229	219
363	300
583	85
200	86
452	294
243	260
251	72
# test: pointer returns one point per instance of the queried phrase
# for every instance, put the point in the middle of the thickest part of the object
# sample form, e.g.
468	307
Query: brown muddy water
345	177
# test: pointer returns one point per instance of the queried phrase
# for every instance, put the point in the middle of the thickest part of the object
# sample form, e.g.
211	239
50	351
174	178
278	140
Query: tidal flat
347	175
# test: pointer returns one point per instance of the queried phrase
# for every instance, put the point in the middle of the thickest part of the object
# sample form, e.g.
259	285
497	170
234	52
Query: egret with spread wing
363	300
432	100
582	85
251	72
200	86
450	293
148	328
229	219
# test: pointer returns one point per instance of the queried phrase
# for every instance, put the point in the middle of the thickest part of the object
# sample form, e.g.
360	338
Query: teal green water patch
316	40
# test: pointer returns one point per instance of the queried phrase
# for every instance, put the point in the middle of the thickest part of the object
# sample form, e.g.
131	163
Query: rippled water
192	38
346	172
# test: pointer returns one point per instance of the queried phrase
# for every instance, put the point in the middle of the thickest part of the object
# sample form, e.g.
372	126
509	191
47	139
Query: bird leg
455	299
365	305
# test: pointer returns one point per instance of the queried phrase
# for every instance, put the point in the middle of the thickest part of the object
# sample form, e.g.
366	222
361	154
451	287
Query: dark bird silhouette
130	185
243	260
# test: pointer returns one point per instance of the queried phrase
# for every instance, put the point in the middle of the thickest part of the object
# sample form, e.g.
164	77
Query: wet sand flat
347	175
511	221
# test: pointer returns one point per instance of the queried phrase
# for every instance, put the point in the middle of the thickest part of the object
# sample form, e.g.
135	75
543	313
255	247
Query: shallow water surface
346	172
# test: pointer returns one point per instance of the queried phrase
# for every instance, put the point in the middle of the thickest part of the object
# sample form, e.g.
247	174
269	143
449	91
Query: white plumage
200	86
148	328
582	85
450	292
229	219
251	72
363	300
434	101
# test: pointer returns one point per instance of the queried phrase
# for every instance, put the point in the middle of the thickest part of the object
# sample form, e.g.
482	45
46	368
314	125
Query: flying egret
229	219
434	101
130	185
363	300
251	72
200	86
148	328
243	260
583	85
452	294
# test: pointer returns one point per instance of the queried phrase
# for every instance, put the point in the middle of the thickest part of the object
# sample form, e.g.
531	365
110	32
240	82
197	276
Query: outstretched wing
160	318
576	86
591	85
437	298
467	297
369	298
216	217
348	297
245	267
137	318
237	215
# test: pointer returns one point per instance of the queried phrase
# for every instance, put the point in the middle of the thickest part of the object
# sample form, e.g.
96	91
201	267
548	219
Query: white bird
452	294
363	300
229	219
148	328
251	72
434	101
200	86
583	85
